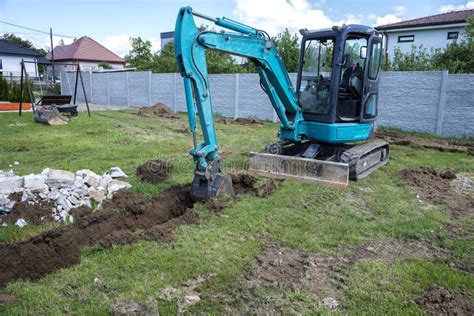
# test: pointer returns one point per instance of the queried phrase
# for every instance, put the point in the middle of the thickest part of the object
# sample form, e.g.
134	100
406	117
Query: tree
418	59
140	56
105	65
288	48
165	60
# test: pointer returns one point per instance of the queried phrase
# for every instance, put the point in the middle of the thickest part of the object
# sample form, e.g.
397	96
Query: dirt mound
157	110
440	301
244	183
240	121
397	138
60	248
32	213
154	171
438	189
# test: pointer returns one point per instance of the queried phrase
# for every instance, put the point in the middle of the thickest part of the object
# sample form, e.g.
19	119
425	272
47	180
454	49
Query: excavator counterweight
326	122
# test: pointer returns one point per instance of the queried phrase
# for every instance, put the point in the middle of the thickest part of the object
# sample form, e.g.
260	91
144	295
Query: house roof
84	48
9	48
438	19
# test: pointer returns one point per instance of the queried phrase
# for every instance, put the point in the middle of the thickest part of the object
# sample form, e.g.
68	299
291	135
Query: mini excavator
327	123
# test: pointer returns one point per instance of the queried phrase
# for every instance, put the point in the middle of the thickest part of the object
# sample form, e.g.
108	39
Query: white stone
191	299
116	185
21	223
16	163
45	171
92	181
35	182
330	302
60	178
98	196
116	172
11	184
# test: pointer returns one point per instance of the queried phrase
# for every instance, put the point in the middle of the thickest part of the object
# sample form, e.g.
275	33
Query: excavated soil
157	110
114	224
437	188
440	301
32	213
244	183
397	138
154	171
240	121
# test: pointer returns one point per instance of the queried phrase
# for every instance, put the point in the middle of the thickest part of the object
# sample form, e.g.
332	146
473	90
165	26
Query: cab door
370	95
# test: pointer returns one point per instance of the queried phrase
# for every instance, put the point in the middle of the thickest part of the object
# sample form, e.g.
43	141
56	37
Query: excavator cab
338	74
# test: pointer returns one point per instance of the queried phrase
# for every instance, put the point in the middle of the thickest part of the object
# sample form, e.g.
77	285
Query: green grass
312	218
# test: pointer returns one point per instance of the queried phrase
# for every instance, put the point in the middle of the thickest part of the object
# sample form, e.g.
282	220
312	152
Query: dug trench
126	218
60	248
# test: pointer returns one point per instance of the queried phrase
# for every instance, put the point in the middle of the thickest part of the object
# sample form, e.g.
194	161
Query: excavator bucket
303	169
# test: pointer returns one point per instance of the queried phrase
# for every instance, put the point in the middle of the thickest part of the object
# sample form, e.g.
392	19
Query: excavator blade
303	169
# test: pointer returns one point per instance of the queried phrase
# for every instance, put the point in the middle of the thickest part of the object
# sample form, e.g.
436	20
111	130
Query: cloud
386	19
399	10
452	7
274	16
120	44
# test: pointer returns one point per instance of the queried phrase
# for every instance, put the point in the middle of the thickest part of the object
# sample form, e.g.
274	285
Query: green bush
4	89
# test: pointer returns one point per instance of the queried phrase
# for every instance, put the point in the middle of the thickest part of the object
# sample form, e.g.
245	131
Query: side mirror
346	61
363	52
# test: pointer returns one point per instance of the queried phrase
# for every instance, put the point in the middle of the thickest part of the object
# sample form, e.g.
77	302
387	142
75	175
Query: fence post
68	82
175	97
128	91
236	97
149	88
442	102
108	89
90	86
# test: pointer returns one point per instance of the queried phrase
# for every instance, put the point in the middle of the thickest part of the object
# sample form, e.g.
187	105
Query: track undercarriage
320	162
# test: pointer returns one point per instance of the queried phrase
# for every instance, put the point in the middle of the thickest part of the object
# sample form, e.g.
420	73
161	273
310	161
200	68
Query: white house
11	56
435	31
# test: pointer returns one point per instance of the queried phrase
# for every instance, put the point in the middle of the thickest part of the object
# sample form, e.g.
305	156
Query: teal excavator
327	123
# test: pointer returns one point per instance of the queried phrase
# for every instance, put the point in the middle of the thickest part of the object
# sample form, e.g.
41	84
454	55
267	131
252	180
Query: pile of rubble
64	189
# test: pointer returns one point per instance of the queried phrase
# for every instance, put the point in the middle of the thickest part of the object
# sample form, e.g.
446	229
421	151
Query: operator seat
352	80
350	93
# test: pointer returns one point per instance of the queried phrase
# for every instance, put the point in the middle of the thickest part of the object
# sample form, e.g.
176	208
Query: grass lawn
373	246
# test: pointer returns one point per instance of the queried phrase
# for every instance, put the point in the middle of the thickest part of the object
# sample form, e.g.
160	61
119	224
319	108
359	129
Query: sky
113	22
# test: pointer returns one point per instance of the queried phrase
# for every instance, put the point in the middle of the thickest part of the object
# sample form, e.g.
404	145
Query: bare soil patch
437	188
60	248
240	121
157	110
154	171
397	138
441	301
323	276
243	183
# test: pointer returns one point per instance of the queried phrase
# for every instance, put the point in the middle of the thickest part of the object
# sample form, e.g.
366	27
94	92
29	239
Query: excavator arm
245	41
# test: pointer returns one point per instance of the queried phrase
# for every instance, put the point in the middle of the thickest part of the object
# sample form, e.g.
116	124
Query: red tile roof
438	19
85	48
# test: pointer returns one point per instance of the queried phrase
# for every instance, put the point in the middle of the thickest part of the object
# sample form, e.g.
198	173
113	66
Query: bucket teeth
303	169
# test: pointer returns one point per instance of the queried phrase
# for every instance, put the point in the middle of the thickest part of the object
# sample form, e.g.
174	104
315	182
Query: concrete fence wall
433	102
